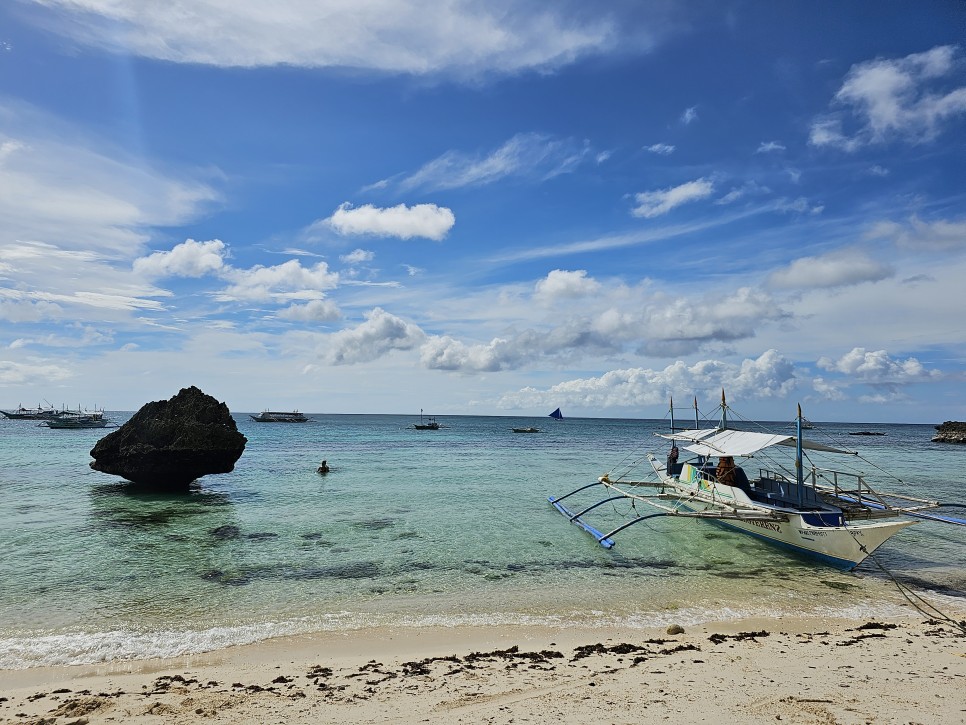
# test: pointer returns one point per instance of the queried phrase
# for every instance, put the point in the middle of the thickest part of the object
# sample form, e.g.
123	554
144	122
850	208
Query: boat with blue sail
556	415
782	490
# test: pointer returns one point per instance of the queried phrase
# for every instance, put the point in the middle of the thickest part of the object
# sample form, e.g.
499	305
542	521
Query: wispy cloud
656	203
662	149
902	98
417	37
526	155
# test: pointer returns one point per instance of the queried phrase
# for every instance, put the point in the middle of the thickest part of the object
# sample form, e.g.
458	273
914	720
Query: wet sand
753	671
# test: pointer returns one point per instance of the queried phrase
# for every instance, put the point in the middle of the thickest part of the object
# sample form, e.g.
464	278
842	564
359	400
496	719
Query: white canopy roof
741	443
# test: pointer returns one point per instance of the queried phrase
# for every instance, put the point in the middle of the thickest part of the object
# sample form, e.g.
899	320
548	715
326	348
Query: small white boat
783	494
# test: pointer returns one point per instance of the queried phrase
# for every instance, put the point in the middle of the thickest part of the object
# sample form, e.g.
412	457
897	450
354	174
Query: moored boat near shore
831	514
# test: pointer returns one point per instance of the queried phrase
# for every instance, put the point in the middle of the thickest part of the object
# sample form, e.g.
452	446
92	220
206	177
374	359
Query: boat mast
696	425
671	398
723	425
799	472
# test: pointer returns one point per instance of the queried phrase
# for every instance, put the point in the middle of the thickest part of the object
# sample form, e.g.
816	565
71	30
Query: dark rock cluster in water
169	443
950	432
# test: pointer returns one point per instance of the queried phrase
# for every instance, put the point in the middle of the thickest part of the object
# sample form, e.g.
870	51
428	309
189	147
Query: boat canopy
742	443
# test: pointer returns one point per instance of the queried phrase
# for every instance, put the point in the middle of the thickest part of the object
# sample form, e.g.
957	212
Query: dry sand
787	671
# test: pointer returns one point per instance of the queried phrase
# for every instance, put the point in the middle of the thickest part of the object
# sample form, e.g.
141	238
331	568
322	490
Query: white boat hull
843	547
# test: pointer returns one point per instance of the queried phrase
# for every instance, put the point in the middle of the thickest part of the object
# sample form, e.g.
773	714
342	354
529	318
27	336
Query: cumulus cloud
188	259
878	367
837	269
592	326
768	376
284	281
886	99
559	284
418	36
656	203
420	220
381	333
526	155
312	311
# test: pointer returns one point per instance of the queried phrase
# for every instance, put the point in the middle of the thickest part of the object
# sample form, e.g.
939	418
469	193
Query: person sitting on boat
726	471
672	461
323	468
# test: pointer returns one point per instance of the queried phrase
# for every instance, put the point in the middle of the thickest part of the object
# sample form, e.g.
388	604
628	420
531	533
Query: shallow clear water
409	528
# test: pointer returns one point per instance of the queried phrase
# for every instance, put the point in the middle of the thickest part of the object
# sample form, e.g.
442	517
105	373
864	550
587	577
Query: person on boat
672	460
726	471
323	468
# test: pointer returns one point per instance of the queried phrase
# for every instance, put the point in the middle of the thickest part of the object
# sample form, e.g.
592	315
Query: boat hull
843	547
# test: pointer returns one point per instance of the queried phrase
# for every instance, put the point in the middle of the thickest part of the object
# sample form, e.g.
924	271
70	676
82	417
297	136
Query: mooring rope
925	608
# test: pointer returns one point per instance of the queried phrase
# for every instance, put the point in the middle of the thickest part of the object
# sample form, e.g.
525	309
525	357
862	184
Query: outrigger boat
832	515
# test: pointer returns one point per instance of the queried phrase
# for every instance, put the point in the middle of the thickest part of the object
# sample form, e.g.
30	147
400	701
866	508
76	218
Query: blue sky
485	207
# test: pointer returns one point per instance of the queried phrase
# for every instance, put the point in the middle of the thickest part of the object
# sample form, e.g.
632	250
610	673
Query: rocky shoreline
950	432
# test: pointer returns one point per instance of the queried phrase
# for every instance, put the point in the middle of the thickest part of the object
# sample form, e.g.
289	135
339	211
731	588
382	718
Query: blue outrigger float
829	514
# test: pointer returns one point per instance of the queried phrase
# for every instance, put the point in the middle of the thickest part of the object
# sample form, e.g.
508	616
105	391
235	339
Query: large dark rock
950	432
170	443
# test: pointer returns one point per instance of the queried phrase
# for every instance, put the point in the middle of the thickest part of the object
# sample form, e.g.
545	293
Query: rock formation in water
170	443
950	432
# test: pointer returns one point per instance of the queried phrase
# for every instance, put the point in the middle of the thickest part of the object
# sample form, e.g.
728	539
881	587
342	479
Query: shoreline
748	671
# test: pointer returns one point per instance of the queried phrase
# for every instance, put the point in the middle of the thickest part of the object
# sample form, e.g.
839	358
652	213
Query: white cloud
941	235
769	147
563	284
877	367
381	333
887	99
662	149
32	373
188	259
357	256
768	376
312	311
445	353
529	155
420	220
418	36
842	268
689	116
655	203
284	281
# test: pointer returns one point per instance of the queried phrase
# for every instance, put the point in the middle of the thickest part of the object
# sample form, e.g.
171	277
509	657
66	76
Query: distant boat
556	415
428	424
276	416
39	413
74	419
526	430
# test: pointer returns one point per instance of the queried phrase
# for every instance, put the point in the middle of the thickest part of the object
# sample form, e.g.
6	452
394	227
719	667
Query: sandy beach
753	671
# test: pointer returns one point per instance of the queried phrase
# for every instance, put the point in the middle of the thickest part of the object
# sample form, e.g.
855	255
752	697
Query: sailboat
556	415
830	514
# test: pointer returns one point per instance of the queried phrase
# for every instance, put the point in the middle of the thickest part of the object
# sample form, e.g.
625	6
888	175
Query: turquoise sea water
410	528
